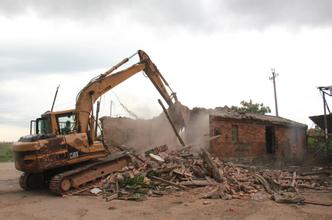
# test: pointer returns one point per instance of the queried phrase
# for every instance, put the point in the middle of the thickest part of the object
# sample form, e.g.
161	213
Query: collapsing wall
143	134
139	134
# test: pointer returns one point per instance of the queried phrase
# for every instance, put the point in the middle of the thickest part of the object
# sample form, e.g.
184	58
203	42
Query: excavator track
31	181
63	183
24	181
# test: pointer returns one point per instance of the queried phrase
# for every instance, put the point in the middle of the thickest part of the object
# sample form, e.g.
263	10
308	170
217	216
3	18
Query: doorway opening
270	139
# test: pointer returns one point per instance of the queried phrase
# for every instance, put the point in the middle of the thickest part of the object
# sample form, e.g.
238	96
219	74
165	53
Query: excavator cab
53	142
53	123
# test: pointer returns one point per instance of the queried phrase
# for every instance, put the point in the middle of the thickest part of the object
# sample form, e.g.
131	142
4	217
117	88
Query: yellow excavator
64	152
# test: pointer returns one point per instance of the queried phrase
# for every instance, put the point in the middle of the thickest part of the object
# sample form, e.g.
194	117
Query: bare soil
18	204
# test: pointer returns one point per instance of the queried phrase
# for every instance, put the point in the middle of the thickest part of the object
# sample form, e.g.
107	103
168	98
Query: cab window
66	123
43	125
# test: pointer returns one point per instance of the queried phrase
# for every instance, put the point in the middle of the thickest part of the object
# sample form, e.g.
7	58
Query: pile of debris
286	186
161	171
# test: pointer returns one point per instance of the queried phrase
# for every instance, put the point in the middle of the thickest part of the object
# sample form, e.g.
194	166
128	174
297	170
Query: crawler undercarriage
63	181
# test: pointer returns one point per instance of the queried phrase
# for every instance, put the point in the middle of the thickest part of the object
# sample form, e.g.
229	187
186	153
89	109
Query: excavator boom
100	85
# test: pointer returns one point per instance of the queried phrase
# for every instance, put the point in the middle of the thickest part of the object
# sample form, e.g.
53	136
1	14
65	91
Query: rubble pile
161	171
286	186
293	181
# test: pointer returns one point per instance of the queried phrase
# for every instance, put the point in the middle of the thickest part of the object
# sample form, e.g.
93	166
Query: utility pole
274	75
323	90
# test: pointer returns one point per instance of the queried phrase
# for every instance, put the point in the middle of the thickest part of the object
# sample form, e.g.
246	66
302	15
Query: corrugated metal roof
319	120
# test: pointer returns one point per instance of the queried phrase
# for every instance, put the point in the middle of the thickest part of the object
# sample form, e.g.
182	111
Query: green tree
250	107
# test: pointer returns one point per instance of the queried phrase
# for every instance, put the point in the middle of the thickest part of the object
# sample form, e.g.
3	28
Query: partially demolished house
225	133
254	135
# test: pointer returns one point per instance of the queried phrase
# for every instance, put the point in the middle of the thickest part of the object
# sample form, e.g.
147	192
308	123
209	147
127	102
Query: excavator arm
100	85
157	78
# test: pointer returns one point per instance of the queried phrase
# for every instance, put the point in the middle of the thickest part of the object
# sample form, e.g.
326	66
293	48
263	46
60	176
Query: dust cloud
144	134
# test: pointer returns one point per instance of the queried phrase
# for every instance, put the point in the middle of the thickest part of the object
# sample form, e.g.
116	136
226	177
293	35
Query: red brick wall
251	139
290	141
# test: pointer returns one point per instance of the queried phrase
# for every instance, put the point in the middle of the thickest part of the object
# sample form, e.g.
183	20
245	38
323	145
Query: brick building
254	135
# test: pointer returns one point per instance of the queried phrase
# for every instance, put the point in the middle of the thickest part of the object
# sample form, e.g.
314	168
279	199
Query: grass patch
6	153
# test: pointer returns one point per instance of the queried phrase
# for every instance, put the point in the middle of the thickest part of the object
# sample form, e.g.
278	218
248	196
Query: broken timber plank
317	203
299	178
216	172
326	172
197	183
178	172
263	181
168	182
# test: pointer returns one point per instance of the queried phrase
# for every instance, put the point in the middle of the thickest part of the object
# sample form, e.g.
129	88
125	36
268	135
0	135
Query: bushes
6	153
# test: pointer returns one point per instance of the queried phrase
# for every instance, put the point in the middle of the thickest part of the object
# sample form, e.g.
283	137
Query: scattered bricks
183	170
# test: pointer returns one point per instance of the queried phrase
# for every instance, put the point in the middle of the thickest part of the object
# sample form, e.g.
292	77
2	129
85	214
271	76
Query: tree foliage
250	107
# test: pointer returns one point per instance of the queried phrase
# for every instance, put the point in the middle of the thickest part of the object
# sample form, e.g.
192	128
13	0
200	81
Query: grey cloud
208	15
27	60
188	14
194	15
55	8
150	12
292	13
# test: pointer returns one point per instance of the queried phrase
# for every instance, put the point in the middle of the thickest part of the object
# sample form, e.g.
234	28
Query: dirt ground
18	204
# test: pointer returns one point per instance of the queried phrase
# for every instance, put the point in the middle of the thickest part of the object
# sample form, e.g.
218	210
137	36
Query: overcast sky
213	53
